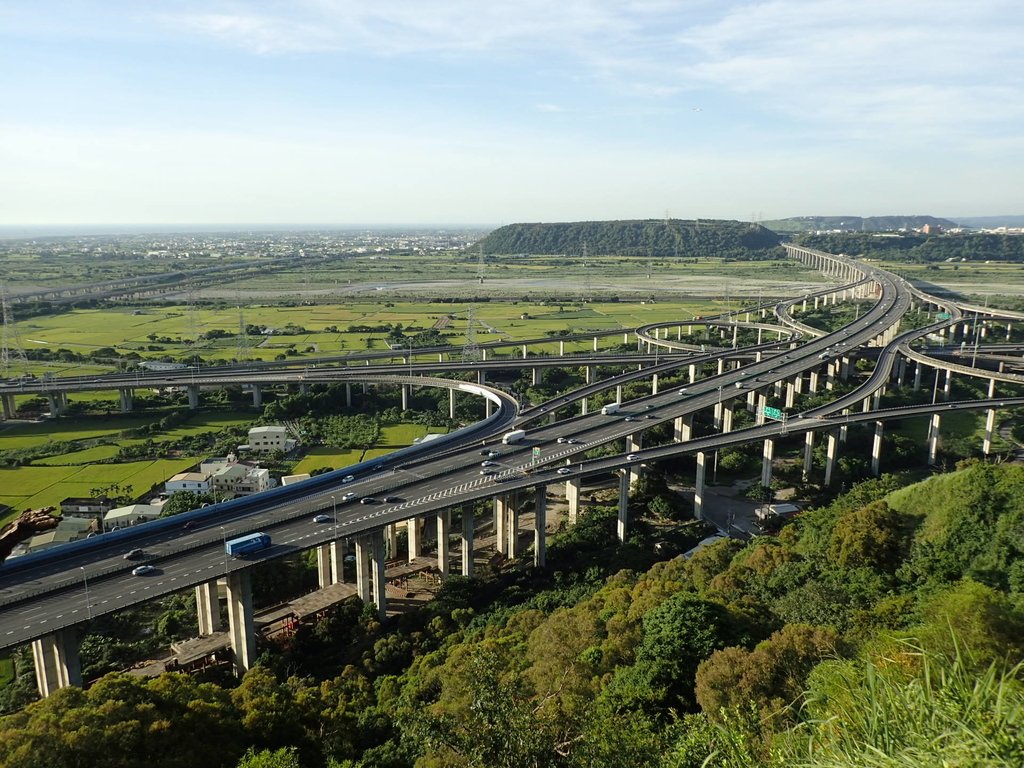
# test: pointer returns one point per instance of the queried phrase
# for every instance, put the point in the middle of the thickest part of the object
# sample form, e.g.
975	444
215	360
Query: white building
292	479
197	482
269	438
240	480
133	514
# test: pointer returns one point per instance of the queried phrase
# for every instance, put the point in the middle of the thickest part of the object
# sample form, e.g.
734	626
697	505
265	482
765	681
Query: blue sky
459	111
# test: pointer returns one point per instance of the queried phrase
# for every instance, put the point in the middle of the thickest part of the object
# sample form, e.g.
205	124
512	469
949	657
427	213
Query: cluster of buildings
222	477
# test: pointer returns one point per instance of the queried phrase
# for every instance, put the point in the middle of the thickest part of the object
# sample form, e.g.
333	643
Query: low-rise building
68	529
133	514
269	438
197	482
85	507
240	480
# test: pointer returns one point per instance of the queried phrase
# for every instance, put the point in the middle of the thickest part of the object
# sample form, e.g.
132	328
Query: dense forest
645	237
921	248
884	629
855	223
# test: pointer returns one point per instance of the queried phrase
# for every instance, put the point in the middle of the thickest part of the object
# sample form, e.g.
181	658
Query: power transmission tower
11	350
470	350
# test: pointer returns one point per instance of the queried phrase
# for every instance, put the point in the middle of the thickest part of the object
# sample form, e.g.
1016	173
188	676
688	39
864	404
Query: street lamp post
224	541
85	580
334	503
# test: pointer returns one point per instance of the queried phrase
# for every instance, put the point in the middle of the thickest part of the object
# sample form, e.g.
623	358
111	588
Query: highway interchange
57	593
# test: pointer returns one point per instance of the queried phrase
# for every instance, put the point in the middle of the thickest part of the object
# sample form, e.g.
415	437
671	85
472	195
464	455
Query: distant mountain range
854	223
990	222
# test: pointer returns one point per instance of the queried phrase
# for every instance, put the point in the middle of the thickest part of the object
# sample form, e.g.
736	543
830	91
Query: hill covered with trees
641	237
884	629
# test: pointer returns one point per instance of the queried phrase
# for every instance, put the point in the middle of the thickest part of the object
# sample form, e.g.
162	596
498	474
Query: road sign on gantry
772	413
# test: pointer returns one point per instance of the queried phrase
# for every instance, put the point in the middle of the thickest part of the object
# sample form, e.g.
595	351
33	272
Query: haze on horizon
340	111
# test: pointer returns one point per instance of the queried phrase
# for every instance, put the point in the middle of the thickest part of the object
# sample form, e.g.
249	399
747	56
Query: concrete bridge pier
634	443
948	386
918	370
727	411
537	376
623	520
693	372
618	393
767	455
127	400
876	449
467	546
412	527
561	348
990	425
323	565
595	344
57	401
451	403
830	458
241	629
654	384
257	396
683	428
540	522
7	403
572	497
698	486
808	454
405	396
933	439
208	608
812	382
348	395
363	544
56	661
443	524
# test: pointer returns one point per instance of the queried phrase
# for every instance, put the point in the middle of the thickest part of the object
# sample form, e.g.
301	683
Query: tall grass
917	710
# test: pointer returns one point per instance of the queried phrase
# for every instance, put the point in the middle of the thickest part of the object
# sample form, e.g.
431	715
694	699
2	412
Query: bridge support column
405	396
901	373
348	395
698	486
683	428
481	377
790	394
876	449
572	497
208	608
918	370
443	524
488	407
337	557
812	383
391	539
830	458
933	439
468	530
451	403
618	393
127	399
798	384
323	565
57	403
830	377
990	425
584	406
808	454
56	661
540	522
240	620
595	343
512	526
767	454
363	568
654	384
589	369
561	349
379	579
7	402
500	519
692	373
752	401
412	533
537	376
257	396
727	416
948	386
623	521
845	428
525	353
844	368
762	403
634	443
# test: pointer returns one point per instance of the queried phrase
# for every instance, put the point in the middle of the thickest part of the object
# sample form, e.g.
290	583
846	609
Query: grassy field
44	486
392	437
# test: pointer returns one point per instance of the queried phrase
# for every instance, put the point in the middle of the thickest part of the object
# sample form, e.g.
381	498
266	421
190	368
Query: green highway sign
942	316
536	452
772	413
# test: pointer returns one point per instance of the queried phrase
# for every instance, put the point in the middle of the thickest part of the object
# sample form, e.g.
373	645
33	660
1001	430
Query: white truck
607	410
515	436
